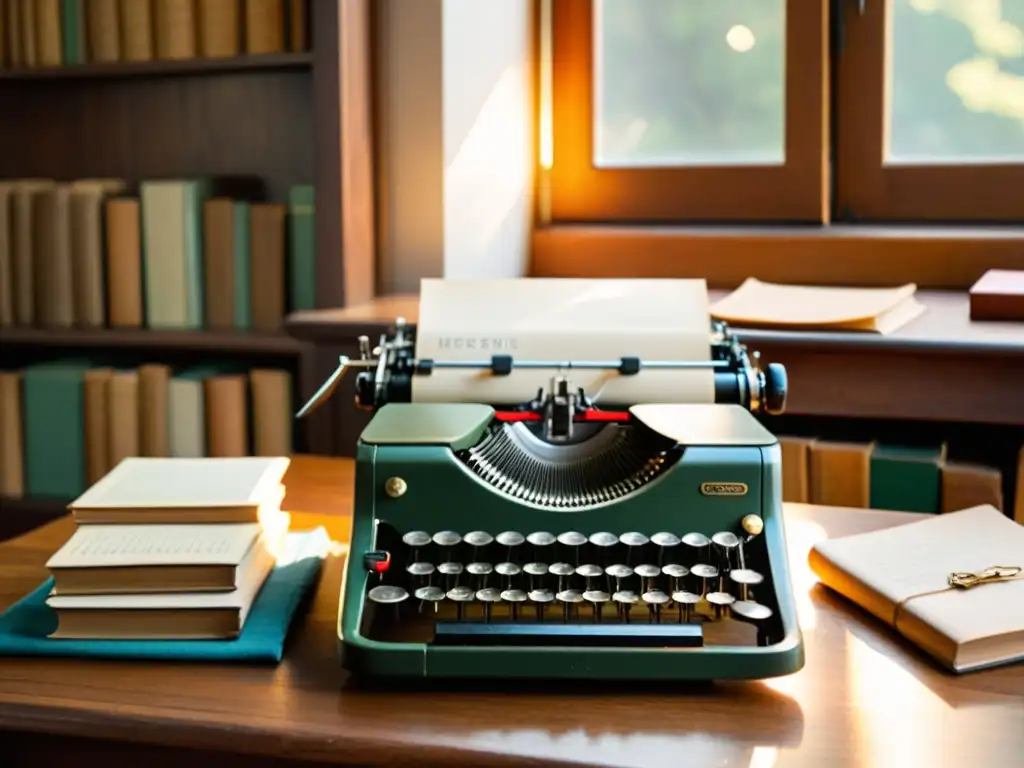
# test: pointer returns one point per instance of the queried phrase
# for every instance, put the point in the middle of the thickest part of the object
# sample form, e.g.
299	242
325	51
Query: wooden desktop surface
865	698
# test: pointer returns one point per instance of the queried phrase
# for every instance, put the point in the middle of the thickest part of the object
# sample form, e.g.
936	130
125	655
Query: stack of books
170	548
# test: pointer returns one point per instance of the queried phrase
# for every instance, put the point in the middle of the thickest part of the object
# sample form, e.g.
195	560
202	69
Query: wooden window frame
601	223
869	190
796	191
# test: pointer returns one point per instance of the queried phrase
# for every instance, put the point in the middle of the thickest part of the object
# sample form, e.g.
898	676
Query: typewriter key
663	541
597	598
508	570
719	600
478	539
697	544
451	572
420	569
684	602
541	597
624	599
589	572
725	542
632	539
675	572
704	573
618	572
535	571
481	571
755	613
386	594
539	540
488	597
746	578
510	539
416	539
460	596
446	538
647	572
430	595
515	597
574	540
603	540
561	570
569	598
654	598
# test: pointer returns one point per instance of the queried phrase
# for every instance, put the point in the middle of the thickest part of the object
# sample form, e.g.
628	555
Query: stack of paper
170	548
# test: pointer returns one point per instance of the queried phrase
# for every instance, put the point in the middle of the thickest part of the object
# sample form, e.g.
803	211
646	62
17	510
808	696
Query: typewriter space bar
631	635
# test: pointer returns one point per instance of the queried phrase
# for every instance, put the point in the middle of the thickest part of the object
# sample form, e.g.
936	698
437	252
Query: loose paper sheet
545	319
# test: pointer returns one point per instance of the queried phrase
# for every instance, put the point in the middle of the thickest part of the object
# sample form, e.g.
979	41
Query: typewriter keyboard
658	589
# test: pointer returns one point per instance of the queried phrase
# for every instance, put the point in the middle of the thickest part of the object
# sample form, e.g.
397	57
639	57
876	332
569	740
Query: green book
243	267
907	478
54	423
72	30
302	246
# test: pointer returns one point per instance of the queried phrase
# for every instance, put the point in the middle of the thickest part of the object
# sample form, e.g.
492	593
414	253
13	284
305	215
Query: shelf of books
41	39
154	234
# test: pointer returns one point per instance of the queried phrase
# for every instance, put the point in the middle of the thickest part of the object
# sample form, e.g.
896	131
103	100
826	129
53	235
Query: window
931	111
796	124
672	110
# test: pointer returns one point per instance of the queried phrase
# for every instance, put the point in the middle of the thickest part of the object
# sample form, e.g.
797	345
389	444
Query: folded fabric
25	626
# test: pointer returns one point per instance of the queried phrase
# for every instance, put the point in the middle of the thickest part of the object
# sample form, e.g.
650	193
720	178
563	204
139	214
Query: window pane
689	82
956	81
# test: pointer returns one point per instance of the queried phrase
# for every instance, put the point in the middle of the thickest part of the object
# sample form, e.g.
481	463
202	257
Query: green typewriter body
649	549
556	538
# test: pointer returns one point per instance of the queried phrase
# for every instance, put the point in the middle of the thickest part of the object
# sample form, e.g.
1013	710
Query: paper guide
545	319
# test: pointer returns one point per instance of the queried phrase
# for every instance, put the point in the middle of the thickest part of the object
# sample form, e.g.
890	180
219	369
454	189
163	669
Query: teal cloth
25	625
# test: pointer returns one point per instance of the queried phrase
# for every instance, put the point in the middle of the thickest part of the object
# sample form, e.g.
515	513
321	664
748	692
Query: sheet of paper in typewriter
565	319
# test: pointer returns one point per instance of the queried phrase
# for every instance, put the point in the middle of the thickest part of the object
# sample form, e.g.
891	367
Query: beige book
96	394
48	33
53	271
141	559
901	575
227	415
87	251
175	25
796	460
124	263
756	304
103	30
840	474
23	260
186	418
137	30
272	412
12	468
123	416
29	50
154	379
264	26
183	616
970	485
220	28
203	490
1018	505
6	255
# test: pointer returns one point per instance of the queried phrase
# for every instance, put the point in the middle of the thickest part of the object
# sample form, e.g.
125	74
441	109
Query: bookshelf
258	123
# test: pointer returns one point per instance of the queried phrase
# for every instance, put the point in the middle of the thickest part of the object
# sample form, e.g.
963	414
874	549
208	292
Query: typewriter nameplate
724	489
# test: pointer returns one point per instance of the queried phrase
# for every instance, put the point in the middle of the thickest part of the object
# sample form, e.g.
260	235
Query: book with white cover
100	559
181	616
900	575
183	490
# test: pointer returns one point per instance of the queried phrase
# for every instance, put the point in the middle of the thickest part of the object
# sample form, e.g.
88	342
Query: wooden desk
865	698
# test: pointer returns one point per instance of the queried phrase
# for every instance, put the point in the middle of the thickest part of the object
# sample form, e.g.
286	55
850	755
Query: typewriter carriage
660	452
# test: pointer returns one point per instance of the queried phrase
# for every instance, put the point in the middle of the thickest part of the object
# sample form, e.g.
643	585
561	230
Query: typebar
623	635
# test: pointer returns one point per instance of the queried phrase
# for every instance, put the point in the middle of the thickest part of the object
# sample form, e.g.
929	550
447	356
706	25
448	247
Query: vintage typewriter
556	539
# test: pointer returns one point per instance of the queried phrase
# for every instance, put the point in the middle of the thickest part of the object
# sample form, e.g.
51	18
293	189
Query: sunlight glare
740	38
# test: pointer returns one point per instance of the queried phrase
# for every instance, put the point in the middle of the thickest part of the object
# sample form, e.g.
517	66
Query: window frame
797	191
868	190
